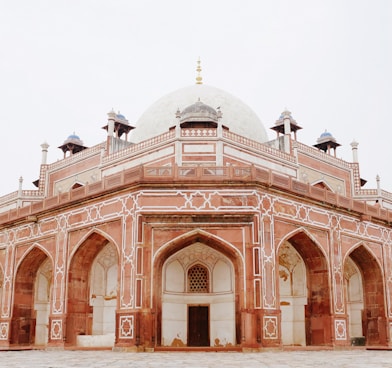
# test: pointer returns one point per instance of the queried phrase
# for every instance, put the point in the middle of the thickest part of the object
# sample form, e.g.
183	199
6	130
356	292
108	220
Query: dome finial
199	79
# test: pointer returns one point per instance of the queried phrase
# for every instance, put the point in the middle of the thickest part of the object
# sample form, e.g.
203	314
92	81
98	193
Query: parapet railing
383	194
261	147
325	156
9	197
25	196
91	151
199	175
135	148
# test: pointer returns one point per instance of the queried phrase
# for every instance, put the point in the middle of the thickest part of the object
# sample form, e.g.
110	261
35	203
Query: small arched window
76	185
322	185
198	281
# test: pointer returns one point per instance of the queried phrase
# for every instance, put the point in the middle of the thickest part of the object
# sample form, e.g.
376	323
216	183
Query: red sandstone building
193	229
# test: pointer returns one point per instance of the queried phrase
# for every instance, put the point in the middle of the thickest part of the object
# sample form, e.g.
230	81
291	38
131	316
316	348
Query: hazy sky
65	64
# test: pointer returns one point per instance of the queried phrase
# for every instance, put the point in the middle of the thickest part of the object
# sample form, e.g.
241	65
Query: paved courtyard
277	359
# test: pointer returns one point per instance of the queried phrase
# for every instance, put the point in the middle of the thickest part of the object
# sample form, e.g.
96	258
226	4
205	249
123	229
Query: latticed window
198	279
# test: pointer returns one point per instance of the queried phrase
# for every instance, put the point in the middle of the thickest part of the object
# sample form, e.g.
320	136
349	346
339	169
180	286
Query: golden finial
199	79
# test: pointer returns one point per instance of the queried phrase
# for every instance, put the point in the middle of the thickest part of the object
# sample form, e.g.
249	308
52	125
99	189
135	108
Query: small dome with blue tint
74	139
326	134
72	144
325	137
326	142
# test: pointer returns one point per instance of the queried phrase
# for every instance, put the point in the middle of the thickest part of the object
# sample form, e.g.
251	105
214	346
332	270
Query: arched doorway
304	292
92	293
198	289
30	317
365	297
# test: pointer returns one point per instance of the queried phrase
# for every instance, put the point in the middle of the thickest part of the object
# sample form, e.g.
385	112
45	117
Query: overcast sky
65	64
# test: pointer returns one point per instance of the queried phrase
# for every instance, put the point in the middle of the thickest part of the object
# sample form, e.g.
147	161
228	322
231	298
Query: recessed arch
373	315
369	251
215	249
85	277
25	312
174	245
301	231
317	306
94	233
30	249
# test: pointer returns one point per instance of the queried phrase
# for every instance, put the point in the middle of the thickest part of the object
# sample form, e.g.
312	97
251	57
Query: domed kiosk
73	144
236	115
199	112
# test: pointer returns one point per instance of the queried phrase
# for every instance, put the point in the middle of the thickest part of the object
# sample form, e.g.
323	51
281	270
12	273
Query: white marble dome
161	115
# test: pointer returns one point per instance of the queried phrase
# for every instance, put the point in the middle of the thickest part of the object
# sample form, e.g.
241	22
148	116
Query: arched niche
313	272
369	276
30	314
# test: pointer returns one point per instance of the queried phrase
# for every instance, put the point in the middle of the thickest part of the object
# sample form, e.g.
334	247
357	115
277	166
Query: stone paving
276	359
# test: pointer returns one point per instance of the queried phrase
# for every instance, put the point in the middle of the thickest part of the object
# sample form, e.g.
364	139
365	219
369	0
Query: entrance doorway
198	326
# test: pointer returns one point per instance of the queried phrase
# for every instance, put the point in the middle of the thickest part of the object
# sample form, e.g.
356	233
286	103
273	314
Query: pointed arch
318	299
99	234
322	184
235	293
197	235
373	315
305	233
35	245
76	185
80	301
369	250
24	314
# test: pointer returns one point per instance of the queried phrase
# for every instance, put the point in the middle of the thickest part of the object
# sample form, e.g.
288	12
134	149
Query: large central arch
215	268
